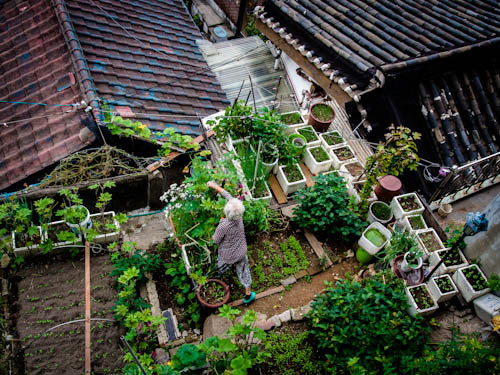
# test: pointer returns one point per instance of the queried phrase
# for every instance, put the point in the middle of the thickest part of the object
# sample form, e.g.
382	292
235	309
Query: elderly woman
230	236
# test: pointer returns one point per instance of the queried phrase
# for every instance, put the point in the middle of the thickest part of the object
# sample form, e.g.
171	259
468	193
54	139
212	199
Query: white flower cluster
174	196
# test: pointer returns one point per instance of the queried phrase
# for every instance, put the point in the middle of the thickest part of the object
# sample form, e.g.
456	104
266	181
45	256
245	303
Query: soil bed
452	259
421	297
444	284
355	169
409	203
291	118
308	134
52	293
322	112
343	153
416	222
292	173
99	222
430	241
271	261
23	239
212	293
333	138
319	154
475	279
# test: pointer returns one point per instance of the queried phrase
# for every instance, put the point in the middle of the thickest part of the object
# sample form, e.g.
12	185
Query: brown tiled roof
163	73
386	34
35	66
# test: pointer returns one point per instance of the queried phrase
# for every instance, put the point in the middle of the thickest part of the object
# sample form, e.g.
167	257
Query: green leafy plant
463	354
290	354
400	243
494	282
397	154
323	208
363	328
475	278
444	284
454	233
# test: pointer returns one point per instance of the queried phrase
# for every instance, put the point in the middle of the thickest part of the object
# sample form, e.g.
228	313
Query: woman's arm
218	189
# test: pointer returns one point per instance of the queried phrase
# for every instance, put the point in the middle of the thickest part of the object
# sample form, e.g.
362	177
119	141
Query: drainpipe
241	15
77	56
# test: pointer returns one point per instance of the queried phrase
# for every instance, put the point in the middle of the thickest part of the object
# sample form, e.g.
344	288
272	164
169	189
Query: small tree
393	157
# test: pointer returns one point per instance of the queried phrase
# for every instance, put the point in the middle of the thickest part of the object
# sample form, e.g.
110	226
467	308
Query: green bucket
362	256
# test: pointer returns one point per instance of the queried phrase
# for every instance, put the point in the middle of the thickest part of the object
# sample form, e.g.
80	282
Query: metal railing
467	179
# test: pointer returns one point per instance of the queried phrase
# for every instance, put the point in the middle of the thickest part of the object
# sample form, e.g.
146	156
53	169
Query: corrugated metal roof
251	57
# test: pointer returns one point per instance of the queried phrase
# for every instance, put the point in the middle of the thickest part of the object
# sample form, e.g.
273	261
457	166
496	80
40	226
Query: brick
285	316
297	314
299	275
318	249
288	281
266	325
276	320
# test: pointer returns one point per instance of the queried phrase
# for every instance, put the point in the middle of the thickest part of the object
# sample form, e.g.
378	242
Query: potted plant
76	216
310	135
400	243
453	260
374	238
321	116
292	120
406	204
442	288
342	155
412	260
270	157
414	222
420	300
471	282
397	154
429	240
211	293
379	211
352	170
331	139
290	178
317	159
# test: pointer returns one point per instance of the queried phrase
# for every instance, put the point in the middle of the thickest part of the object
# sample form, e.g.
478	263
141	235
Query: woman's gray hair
234	209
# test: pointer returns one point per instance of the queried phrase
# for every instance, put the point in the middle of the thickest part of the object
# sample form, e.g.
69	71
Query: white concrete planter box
344	169
27	249
108	237
486	307
266	197
465	288
309	128
431	232
369	246
290	187
268	167
351	191
399	212
337	162
314	166
328	135
413	309
65	243
291	128
408	226
437	293
436	257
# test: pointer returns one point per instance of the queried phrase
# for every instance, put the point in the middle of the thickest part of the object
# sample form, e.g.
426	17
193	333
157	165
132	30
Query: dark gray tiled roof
388	34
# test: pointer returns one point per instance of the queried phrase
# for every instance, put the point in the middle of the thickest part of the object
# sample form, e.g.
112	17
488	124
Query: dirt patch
303	291
54	293
268	260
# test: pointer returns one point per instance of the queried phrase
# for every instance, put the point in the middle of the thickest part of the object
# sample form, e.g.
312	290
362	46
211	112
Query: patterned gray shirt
230	236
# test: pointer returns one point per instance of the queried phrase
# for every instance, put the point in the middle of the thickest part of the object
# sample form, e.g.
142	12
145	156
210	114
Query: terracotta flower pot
387	188
227	294
320	125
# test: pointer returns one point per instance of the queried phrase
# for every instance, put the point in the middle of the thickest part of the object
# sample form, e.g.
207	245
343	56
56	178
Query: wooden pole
87	309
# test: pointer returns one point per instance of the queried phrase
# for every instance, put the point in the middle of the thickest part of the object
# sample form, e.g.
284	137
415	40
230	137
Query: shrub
458	357
290	355
323	208
364	328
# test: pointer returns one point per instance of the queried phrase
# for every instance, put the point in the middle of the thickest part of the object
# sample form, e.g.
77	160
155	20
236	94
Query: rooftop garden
370	317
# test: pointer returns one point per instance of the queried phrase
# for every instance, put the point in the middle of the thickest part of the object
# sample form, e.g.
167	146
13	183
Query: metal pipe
133	355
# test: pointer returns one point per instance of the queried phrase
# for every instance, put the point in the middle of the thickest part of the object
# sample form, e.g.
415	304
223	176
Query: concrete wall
486	245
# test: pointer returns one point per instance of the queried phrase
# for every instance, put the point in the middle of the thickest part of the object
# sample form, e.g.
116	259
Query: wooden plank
87	309
277	191
307	173
263	294
318	249
163	161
